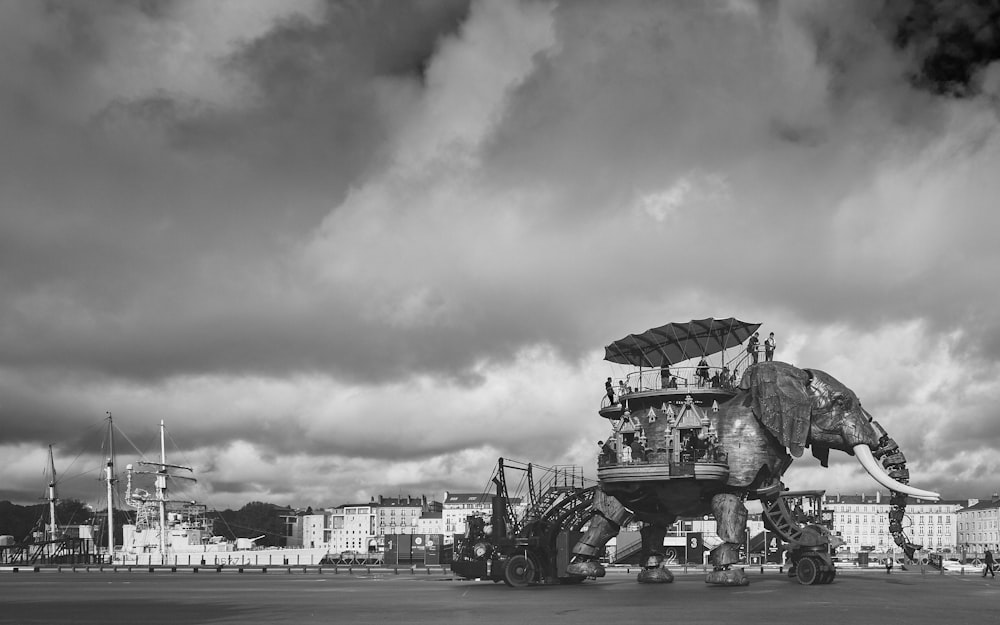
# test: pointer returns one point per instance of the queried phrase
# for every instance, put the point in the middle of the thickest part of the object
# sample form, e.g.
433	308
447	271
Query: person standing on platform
701	371
769	347
752	347
665	376
610	390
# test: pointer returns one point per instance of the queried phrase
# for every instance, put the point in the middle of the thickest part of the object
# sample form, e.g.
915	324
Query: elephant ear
781	402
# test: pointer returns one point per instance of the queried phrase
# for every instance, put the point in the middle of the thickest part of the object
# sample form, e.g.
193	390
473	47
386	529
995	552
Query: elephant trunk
895	462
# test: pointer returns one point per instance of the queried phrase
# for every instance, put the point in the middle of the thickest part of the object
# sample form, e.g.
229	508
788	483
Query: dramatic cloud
348	249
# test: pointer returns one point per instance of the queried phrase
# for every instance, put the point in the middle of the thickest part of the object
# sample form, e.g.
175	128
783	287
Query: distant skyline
348	249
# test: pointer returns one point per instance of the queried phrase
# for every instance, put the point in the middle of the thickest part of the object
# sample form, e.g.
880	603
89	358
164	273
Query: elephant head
810	408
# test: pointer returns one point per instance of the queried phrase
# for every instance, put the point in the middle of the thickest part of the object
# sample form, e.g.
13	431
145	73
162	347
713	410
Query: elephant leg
653	572
652	535
731	525
608	517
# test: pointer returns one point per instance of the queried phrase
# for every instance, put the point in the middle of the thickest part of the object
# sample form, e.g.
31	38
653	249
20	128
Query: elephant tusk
867	460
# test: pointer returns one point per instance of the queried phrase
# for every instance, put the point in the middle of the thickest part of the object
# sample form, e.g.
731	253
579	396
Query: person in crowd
724	378
769	347
752	347
701	371
638	451
610	390
608	451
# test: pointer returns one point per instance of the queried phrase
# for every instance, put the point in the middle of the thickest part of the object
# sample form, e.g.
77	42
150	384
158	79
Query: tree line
27	523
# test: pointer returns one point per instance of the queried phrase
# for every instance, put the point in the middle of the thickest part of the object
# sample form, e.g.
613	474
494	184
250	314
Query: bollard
396	570
194	570
320	570
150	569
762	570
240	570
173	569
263	569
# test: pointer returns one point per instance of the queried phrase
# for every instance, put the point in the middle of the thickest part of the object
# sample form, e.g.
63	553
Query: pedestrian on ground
769	347
988	559
888	565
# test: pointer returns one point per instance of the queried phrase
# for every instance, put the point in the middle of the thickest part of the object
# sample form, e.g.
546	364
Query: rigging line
88	431
127	439
483	493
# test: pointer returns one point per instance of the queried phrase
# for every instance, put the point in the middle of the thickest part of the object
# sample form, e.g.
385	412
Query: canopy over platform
677	342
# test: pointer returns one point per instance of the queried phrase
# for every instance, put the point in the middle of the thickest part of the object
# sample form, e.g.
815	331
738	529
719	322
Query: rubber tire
807	571
519	571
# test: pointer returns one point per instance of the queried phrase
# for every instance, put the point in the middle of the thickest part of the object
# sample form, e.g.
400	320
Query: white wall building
979	526
862	521
351	528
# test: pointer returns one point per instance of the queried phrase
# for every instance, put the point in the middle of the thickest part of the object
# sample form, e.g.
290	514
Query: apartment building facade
862	522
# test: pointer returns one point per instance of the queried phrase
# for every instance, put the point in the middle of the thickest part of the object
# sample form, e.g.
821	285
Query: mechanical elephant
777	412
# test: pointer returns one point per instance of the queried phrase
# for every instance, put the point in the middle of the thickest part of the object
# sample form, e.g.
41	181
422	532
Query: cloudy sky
346	249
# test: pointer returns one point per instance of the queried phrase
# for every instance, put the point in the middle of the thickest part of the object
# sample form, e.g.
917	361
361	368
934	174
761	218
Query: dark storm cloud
950	42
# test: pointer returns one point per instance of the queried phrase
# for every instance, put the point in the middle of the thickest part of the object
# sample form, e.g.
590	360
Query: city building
979	526
862	522
351	528
402	515
458	506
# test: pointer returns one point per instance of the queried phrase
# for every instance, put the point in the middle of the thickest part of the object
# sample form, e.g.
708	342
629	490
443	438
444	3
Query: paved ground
183	597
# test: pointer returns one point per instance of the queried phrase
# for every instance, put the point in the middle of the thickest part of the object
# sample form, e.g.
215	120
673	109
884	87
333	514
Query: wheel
826	575
519	571
807	572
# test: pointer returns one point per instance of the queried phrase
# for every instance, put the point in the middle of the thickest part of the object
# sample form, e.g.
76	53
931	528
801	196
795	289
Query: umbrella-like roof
677	342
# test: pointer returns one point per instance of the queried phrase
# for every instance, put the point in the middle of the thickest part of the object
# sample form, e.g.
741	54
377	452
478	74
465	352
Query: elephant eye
842	400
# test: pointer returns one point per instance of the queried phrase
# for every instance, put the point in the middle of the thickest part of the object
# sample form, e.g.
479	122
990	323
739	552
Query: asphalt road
183	597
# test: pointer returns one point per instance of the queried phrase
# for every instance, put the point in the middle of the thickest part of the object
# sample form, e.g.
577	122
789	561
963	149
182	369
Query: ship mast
109	474
162	474
53	529
161	490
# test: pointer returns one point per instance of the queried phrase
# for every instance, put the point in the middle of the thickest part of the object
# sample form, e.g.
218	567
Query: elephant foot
728	577
586	568
657	575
